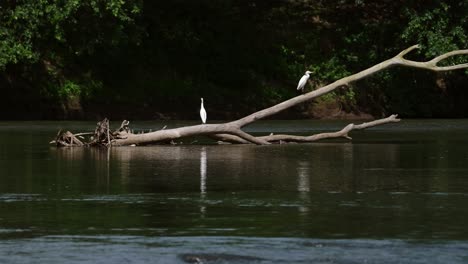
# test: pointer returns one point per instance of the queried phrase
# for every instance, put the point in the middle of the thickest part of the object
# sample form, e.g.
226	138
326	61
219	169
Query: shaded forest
155	59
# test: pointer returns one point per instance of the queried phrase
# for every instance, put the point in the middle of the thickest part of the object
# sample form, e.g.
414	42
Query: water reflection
303	185
379	186
303	171
224	249
203	171
325	167
70	164
348	181
202	181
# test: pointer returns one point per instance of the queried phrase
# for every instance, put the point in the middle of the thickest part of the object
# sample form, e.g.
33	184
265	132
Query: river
394	194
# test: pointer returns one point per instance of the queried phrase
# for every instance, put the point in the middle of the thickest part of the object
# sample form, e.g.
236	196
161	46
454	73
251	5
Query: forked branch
432	64
232	131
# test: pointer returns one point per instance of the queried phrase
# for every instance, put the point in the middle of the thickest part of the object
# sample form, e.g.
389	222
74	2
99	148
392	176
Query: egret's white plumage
303	81
202	112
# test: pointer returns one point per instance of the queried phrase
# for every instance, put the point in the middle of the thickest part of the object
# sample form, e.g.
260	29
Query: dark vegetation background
139	59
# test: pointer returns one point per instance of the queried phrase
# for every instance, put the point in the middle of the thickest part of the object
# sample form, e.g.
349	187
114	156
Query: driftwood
231	132
67	139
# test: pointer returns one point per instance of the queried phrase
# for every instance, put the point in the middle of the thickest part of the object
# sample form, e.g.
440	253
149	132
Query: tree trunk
231	132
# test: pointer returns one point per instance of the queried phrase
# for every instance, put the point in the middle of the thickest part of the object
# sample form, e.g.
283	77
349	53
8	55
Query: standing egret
202	112
303	81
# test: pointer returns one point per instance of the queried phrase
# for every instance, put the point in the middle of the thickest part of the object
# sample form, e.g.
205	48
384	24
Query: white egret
303	81
202	112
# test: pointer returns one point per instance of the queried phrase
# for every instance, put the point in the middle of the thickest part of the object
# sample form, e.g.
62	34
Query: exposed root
102	136
67	139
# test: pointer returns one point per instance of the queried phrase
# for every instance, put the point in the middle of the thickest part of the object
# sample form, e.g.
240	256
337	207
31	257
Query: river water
395	194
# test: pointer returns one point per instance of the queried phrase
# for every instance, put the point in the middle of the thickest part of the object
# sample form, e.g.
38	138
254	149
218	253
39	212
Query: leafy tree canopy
240	55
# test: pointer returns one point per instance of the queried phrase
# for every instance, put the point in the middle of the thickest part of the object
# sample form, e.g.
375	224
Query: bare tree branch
408	50
432	64
231	131
342	133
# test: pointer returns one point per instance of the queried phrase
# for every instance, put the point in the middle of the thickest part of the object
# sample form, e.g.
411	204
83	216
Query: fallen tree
231	132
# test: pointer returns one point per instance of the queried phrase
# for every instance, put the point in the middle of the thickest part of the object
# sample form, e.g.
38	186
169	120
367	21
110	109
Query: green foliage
330	70
69	89
31	30
85	88
48	48
439	30
239	55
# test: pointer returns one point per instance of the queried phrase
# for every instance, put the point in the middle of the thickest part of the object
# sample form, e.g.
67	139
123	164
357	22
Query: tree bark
231	132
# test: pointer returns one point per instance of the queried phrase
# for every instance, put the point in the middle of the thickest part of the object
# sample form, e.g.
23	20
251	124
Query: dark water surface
395	194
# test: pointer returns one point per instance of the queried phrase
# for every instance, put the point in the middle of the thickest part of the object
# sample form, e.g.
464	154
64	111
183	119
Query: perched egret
303	81
202	112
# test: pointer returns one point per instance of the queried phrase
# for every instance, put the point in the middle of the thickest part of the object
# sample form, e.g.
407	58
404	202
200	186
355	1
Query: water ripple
143	249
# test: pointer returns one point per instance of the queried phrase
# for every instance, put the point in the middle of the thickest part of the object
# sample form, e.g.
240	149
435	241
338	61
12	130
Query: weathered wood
67	139
338	134
231	132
